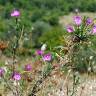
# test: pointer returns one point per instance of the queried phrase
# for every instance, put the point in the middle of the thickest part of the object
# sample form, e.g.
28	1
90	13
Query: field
58	82
47	48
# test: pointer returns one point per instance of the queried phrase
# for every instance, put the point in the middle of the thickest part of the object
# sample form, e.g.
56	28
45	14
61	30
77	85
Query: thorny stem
18	92
71	56
9	86
73	85
14	52
67	89
38	83
15	47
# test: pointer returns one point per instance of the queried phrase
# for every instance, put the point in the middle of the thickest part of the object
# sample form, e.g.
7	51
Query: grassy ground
57	84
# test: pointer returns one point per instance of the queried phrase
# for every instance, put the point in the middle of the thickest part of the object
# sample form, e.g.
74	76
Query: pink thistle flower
94	29
47	57
70	29
89	21
39	52
28	67
77	20
15	13
1	72
16	76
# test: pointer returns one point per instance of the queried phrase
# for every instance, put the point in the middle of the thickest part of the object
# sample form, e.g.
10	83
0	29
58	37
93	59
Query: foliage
40	27
80	43
54	34
25	31
35	11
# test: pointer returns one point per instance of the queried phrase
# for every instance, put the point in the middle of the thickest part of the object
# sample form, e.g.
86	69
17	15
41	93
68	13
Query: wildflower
16	76
89	21
1	72
15	13
70	29
47	57
28	67
43	48
39	52
77	20
94	29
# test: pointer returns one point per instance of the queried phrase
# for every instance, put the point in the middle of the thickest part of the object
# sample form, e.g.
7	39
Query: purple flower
1	72
70	29
77	20
28	67
16	76
39	52
15	13
89	21
94	29
47	57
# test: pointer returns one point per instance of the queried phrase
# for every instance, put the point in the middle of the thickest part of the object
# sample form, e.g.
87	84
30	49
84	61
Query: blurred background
44	21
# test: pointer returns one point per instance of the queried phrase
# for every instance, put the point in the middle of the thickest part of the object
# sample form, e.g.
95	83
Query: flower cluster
45	57
21	77
16	75
82	27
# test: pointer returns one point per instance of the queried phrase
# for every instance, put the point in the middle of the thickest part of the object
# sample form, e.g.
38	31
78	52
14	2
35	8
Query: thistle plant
82	29
16	80
29	80
79	34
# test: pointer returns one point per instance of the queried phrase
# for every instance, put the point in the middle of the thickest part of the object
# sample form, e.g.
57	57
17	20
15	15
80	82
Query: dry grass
57	84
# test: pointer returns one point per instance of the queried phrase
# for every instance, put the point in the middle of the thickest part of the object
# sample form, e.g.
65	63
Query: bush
52	37
40	27
51	18
37	15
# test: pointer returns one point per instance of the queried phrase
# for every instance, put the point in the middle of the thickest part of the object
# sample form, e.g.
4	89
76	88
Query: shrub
52	37
51	18
40	27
